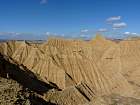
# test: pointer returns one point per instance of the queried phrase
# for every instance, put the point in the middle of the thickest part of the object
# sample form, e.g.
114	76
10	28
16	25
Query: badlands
70	72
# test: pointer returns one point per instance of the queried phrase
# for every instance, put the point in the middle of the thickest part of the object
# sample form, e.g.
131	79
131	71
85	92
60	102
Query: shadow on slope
25	77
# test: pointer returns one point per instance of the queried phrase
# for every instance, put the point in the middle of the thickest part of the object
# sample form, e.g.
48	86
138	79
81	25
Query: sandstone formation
77	72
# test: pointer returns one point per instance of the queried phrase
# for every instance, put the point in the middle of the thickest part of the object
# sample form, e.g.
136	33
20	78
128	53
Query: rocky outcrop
73	72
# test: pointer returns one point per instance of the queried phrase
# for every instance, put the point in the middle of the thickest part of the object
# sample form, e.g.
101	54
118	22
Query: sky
37	19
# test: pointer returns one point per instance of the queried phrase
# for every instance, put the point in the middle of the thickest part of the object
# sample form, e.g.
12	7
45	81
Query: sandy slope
81	69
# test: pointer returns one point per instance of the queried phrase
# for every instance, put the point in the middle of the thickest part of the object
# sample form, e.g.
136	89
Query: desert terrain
70	72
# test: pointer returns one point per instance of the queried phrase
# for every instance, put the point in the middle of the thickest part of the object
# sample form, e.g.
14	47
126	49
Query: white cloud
85	36
84	30
17	33
43	1
102	30
129	33
134	33
47	33
114	18
82	35
119	25
53	34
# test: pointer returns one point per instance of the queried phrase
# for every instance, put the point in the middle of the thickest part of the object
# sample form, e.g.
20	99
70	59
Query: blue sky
38	18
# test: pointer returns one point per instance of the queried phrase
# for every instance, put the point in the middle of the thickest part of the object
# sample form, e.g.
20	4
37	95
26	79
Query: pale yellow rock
100	65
